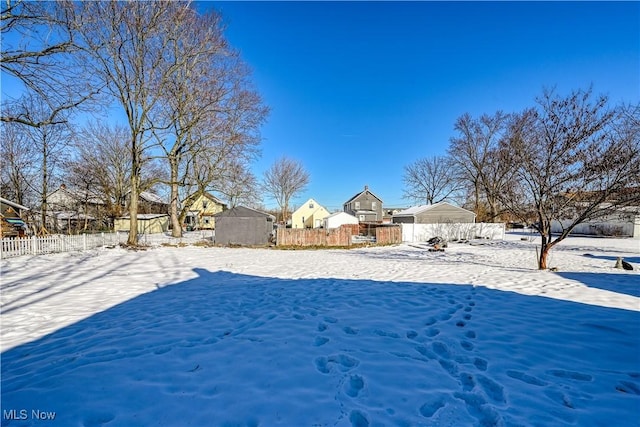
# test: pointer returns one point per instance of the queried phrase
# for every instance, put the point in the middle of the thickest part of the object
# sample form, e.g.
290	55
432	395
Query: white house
337	219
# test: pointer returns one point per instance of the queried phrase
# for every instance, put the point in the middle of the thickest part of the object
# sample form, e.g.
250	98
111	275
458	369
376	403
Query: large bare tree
430	180
211	112
125	46
577	160
478	154
284	180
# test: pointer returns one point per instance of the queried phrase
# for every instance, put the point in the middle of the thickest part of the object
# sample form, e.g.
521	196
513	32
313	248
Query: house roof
77	195
152	197
317	206
366	190
13	204
414	210
340	213
208	196
243	212
144	216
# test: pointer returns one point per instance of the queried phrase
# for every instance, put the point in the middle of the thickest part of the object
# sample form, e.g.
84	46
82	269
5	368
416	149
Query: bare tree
47	144
125	46
430	180
101	165
40	53
284	180
240	186
577	160
210	109
18	170
478	154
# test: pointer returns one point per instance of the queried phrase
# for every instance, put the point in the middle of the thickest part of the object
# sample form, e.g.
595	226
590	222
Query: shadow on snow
231	349
621	283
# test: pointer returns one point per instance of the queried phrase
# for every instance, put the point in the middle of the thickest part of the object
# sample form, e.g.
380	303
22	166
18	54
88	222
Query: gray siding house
243	226
365	206
437	213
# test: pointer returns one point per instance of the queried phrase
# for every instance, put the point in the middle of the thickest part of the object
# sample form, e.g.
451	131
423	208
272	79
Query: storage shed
337	219
437	213
147	223
243	226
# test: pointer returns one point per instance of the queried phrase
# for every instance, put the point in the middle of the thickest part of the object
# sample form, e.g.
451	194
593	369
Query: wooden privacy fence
315	236
388	235
342	236
10	247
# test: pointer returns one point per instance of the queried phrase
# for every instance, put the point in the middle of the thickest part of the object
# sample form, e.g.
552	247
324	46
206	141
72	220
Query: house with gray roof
365	206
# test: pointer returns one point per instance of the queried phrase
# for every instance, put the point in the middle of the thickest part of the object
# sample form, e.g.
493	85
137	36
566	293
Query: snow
398	336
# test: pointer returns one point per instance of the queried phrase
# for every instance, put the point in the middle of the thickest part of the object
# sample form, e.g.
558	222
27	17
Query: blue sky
358	90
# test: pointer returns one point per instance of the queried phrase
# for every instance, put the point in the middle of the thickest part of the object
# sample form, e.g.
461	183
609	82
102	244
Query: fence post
34	245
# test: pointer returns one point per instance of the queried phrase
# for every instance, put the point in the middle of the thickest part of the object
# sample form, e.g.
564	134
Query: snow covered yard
394	336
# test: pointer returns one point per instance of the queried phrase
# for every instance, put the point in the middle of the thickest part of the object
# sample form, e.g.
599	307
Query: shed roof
414	210
341	213
243	212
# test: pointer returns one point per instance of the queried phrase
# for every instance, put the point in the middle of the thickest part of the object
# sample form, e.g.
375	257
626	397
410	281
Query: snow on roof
339	213
13	204
421	208
144	216
151	197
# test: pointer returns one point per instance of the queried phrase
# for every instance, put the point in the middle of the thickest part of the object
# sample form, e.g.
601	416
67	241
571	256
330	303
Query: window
310	205
205	204
374	206
361	217
357	205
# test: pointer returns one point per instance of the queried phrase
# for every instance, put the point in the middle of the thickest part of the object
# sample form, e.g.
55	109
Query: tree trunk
545	247
133	204
176	227
542	260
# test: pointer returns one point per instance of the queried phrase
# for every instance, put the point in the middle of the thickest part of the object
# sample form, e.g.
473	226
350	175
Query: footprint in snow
354	386
561	373
341	362
525	378
320	341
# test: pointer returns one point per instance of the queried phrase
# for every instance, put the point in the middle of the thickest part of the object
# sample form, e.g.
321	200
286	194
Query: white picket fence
13	247
452	231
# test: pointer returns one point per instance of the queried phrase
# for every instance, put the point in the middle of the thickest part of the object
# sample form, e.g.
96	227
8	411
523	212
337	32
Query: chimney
366	188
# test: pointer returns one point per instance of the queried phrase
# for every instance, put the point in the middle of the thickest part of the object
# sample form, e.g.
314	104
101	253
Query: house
243	226
11	215
202	210
309	215
147	223
335	220
365	206
625	222
151	203
437	213
74	210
